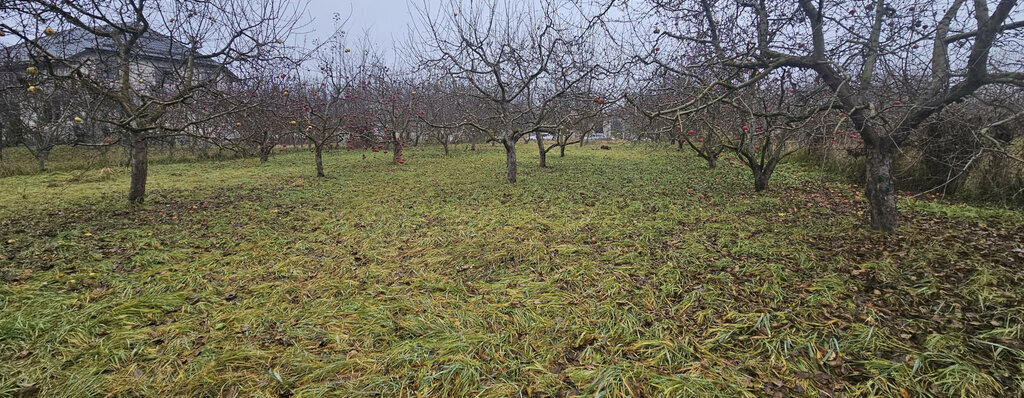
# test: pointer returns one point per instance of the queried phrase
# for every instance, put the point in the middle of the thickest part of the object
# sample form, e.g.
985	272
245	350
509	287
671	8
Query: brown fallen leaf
27	391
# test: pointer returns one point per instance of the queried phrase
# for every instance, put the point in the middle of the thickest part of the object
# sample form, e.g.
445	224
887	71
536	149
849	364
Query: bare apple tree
516	59
327	97
890	64
395	107
260	127
40	112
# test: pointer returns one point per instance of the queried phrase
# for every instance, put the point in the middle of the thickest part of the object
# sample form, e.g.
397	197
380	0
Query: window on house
162	76
108	72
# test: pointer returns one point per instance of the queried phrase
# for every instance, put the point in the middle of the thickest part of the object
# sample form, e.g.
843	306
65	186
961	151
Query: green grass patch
605	275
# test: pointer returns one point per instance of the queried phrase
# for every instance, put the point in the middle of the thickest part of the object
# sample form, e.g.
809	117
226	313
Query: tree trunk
41	156
139	172
712	161
170	149
510	158
472	142
881	191
265	153
762	175
444	143
561	151
543	153
761	180
397	150
319	151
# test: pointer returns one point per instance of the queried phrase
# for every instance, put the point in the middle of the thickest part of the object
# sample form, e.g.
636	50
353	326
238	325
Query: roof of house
77	41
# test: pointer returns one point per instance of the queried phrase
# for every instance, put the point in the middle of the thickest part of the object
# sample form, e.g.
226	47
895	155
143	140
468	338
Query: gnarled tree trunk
761	182
762	176
42	155
880	187
140	165
510	158
318	150
543	153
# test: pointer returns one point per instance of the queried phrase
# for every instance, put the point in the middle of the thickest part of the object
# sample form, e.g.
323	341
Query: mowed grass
606	275
77	160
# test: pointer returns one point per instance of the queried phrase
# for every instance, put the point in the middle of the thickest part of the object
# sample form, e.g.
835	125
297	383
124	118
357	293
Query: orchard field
628	272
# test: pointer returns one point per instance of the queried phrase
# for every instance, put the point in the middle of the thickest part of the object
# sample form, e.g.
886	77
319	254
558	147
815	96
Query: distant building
159	59
158	67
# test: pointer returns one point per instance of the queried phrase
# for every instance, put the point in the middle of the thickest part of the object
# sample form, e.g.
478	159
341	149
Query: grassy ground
19	161
607	275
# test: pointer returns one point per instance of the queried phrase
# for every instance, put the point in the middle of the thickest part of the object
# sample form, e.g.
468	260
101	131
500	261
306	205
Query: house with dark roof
158	66
155	59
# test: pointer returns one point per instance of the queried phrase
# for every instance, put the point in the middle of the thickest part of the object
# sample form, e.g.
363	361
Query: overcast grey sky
385	20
